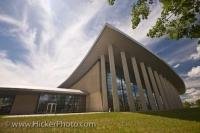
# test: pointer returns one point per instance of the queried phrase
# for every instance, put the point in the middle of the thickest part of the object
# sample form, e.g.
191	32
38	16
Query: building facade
117	74
40	100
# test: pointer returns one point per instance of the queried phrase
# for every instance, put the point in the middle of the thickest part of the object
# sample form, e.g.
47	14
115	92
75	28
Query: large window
51	103
122	93
6	103
121	89
109	88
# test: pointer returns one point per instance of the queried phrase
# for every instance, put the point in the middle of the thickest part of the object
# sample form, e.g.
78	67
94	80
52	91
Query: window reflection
122	93
109	89
6	103
61	103
121	89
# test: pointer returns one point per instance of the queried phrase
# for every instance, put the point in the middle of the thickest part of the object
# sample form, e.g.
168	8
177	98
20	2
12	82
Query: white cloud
194	72
3	54
9	20
193	77
191	95
196	55
54	48
192	82
176	66
181	54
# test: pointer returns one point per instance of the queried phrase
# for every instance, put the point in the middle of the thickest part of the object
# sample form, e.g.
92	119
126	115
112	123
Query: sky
43	41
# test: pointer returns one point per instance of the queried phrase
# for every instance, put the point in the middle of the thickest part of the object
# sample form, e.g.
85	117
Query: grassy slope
180	121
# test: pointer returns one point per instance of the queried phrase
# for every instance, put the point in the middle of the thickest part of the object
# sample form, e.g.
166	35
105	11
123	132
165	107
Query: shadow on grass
191	114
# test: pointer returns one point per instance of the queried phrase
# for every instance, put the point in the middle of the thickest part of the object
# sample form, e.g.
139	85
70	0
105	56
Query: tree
111	2
198	102
179	18
187	104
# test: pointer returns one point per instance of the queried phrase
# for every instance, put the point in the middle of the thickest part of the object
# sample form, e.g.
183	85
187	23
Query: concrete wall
24	104
91	83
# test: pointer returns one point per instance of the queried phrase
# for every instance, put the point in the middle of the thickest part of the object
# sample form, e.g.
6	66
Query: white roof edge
40	88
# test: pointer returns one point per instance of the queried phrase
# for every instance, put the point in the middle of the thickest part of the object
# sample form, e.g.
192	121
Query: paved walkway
37	115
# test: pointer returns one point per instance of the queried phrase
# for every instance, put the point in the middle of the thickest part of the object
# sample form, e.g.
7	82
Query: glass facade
122	93
59	103
109	88
147	100
121	87
135	94
6	102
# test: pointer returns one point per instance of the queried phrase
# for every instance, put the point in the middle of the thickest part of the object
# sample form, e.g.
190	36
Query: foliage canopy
179	18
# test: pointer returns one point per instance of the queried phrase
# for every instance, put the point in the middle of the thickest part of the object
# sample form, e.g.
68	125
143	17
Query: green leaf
140	11
111	2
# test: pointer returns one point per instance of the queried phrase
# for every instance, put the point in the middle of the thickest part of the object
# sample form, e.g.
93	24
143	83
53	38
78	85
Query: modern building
117	74
31	100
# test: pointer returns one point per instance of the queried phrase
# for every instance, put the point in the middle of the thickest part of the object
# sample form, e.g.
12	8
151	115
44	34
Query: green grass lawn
179	121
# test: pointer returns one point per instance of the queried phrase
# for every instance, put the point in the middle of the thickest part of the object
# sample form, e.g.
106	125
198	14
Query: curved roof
111	35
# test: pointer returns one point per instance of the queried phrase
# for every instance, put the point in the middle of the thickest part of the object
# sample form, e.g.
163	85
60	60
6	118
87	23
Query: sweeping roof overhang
111	35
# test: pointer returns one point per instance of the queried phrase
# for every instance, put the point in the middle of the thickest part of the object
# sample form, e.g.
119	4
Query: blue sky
43	41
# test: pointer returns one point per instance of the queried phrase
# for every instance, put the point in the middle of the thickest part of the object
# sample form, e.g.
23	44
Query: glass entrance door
51	108
59	103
